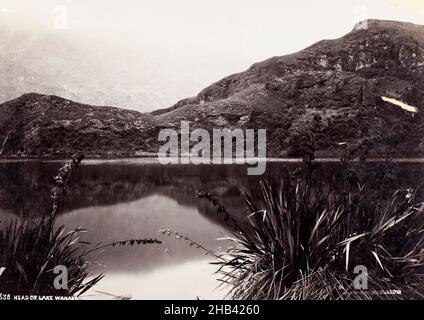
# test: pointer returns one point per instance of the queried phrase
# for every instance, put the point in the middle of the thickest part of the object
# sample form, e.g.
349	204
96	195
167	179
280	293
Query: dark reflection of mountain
143	218
25	186
116	201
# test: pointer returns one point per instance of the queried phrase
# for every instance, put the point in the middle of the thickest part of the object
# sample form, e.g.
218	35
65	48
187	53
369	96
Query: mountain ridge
324	96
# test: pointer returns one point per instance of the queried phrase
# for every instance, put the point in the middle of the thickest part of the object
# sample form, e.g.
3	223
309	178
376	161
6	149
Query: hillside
40	125
331	89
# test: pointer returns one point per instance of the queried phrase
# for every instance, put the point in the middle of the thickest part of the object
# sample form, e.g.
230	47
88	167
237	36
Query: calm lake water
131	199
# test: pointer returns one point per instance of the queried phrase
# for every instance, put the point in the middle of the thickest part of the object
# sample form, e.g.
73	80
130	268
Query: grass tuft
32	247
303	240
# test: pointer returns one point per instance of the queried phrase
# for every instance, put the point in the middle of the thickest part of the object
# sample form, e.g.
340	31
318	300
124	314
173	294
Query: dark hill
40	125
332	89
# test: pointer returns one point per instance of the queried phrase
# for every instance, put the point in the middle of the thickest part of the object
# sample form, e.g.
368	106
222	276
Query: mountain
33	59
332	88
328	95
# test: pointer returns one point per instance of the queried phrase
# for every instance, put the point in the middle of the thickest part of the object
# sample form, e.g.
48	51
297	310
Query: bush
33	247
303	240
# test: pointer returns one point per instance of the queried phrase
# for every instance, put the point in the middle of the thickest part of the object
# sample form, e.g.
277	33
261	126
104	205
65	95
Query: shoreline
155	160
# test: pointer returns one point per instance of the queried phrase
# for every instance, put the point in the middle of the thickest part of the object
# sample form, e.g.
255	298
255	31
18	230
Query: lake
135	198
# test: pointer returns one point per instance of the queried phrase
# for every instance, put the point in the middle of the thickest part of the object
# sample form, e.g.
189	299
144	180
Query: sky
210	38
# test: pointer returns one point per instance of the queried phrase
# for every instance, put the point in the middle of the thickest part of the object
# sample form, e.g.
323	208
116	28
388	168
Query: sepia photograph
211	150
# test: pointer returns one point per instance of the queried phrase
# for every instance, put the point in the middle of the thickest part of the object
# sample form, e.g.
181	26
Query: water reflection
171	270
143	219
125	200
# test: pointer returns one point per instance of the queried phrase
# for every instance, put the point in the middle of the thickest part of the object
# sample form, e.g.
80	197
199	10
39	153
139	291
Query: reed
32	247
303	240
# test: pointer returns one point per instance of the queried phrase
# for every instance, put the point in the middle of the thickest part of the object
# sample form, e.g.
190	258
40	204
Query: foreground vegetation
304	240
31	248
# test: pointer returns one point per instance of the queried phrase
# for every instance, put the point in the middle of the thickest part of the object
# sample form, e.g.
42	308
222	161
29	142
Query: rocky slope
330	93
40	125
332	88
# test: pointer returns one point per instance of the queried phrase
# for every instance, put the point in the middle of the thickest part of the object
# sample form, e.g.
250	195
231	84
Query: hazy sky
224	36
